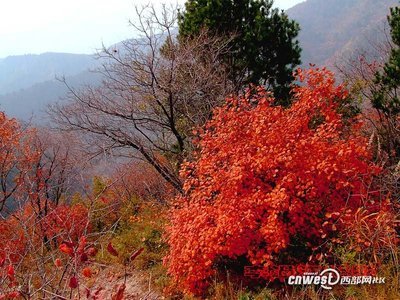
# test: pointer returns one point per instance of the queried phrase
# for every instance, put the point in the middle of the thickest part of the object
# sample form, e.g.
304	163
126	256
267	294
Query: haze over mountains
29	82
330	29
16	71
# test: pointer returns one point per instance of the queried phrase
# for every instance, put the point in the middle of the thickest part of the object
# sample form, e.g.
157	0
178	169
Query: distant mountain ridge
28	82
23	71
333	28
31	103
329	29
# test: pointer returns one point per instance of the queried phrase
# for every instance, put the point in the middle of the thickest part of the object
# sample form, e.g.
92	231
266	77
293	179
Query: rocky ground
137	285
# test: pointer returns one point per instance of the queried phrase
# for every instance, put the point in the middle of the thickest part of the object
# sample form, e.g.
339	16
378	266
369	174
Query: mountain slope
20	72
330	28
28	85
32	102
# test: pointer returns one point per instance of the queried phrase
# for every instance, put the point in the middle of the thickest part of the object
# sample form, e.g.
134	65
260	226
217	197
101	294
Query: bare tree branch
156	89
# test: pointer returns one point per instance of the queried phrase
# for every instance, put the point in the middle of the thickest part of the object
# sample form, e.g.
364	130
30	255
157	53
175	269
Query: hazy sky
76	26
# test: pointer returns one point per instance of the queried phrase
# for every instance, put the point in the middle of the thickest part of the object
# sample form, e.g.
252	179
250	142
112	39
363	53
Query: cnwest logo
331	277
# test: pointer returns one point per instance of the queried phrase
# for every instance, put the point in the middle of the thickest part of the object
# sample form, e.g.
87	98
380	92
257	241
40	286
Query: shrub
271	185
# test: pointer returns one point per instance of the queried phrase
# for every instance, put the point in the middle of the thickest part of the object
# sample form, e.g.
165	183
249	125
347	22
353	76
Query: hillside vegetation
206	166
332	29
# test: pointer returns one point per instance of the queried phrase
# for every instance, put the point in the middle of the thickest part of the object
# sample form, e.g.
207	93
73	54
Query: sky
73	26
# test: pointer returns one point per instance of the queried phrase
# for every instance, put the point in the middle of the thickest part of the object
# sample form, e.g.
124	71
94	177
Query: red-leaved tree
271	185
16	156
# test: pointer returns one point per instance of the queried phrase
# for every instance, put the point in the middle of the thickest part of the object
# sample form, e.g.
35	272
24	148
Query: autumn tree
154	91
56	172
139	180
273	186
37	171
15	158
264	49
37	166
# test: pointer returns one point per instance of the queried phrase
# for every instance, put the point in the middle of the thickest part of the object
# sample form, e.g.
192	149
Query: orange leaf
66	249
87	272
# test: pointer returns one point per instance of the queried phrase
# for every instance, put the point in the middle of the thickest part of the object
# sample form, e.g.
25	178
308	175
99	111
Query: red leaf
120	293
58	263
2	262
11	295
84	257
69	244
11	273
92	251
82	244
73	282
66	249
136	254
111	249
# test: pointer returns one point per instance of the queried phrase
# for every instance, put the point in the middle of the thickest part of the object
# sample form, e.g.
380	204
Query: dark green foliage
386	93
386	97
263	49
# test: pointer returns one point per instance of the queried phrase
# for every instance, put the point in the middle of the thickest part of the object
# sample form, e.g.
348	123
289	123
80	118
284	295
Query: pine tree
263	49
386	97
386	94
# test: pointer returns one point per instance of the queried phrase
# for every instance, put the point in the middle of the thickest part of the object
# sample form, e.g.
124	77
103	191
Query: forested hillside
332	29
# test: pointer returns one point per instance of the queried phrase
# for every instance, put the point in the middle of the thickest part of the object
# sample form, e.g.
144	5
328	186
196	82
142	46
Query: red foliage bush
12	240
23	230
66	222
16	157
140	180
270	185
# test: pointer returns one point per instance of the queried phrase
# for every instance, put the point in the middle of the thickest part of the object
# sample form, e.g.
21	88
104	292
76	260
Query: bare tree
359	71
54	174
358	68
156	89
